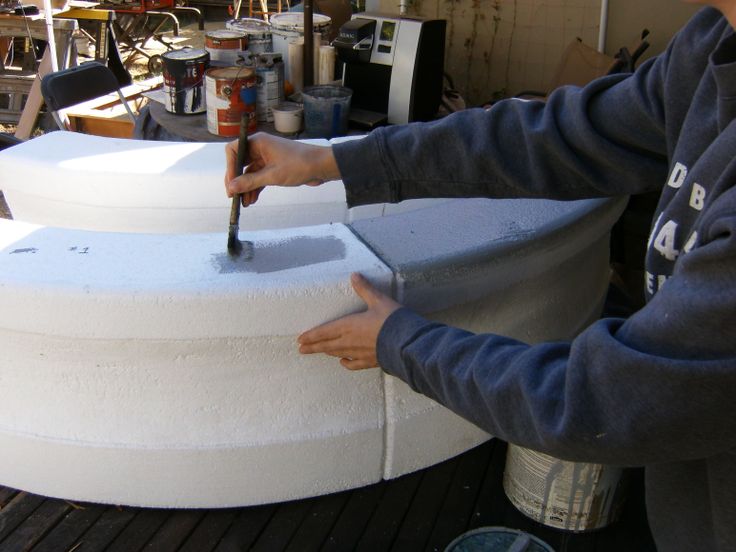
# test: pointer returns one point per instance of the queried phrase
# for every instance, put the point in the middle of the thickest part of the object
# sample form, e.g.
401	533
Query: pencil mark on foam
281	255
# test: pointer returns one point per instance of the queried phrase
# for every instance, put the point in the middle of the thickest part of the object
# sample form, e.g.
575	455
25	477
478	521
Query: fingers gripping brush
235	247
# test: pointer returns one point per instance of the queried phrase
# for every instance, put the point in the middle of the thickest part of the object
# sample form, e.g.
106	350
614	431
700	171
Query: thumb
370	295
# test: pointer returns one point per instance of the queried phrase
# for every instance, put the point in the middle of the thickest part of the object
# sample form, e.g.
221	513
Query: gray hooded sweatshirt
657	389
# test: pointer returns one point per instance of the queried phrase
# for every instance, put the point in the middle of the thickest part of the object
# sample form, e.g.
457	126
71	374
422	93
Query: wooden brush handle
242	161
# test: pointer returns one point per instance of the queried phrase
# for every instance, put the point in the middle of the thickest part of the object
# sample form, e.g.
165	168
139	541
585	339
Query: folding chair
75	85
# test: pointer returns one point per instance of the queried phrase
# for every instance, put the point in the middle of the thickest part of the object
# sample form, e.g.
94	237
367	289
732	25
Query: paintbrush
235	247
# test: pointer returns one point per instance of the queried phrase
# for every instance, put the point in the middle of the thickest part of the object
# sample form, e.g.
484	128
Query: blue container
497	539
326	110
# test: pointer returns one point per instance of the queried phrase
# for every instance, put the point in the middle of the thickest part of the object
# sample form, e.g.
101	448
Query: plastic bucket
497	539
287	118
326	110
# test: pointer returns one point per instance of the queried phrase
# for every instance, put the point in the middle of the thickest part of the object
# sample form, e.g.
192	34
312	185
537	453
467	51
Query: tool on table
235	247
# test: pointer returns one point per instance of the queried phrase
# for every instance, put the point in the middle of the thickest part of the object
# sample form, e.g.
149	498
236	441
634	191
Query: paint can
230	92
270	84
289	26
225	46
258	32
183	72
575	496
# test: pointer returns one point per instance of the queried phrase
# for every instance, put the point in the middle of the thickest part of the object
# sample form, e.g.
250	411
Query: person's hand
352	338
276	161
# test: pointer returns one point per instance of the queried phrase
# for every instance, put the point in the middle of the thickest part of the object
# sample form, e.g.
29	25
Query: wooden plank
491	503
283	524
210	530
246	528
139	531
16	511
354	517
35	526
457	509
34	102
384	525
106	528
6	493
420	518
175	530
69	529
318	523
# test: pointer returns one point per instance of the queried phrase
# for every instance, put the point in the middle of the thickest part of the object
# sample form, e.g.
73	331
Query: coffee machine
394	66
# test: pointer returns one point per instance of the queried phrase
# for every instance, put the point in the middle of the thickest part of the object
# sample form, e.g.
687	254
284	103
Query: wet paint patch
283	255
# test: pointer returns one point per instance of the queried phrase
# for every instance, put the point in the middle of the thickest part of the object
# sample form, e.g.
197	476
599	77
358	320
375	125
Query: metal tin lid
230	73
249	25
294	21
186	54
225	34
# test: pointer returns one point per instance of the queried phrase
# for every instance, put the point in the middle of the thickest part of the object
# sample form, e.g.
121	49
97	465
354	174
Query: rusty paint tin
231	91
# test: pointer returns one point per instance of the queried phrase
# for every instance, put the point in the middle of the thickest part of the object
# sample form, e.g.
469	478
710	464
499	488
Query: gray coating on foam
280	255
480	242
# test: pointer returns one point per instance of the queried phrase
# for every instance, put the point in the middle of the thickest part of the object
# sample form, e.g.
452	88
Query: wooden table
155	123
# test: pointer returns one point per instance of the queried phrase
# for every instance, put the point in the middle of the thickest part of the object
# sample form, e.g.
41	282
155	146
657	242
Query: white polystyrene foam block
556	303
164	374
178	286
75	180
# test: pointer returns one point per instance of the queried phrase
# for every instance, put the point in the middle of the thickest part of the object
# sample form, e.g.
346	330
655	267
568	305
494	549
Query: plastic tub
326	110
497	539
287	117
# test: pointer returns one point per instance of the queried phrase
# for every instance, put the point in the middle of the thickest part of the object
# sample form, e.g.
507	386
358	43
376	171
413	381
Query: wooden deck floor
422	511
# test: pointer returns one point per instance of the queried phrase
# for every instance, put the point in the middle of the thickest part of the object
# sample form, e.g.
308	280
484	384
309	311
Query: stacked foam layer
156	370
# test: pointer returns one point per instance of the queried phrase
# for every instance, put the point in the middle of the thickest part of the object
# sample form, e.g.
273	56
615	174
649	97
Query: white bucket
287	117
289	26
574	496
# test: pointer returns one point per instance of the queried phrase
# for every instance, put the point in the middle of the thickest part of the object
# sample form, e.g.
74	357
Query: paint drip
575	496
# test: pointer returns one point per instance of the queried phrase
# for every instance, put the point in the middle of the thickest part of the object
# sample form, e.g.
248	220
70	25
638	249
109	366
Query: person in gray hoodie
657	389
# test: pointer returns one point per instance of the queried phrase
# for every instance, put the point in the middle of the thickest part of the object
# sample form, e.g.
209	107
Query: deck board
74	524
457	509
380	532
318	523
420	511
34	527
206	536
175	531
106	528
421	515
